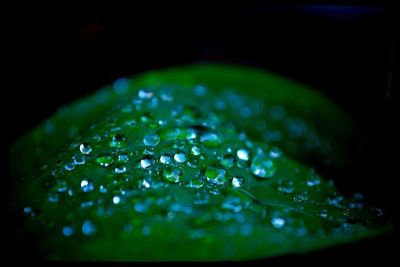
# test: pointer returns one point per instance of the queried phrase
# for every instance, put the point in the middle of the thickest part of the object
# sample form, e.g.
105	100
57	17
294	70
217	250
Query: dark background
346	52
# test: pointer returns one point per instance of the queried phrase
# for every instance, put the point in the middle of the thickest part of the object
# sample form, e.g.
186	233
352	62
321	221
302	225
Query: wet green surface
202	162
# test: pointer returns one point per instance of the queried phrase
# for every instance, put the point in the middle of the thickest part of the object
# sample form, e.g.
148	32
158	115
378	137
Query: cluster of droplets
154	143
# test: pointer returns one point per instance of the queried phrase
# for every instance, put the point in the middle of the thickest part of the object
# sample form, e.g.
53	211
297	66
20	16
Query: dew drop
79	159
104	160
146	163
165	159
323	213
228	161
286	186
195	151
69	166
151	139
120	169
53	198
262	167
123	157
88	228
118	141
172	175
28	210
195	183
278	222
242	154
215	175
180	157
116	200
237	182
85	148
145	94
210	139
146	184
86	186
67	231
232	204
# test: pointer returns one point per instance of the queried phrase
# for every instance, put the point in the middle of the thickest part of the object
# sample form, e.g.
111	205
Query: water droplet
121	86
105	160
179	144
116	200
195	151
123	157
195	183
88	228
53	198
278	222
86	186
68	231
237	182
216	175
233	204
145	94
146	184
242	154
85	148
313	182
102	189
69	166
262	167
27	210
180	157
87	204
323	213
79	159
120	169
275	153
286	186
199	90
172	175
151	139
165	159
228	161
146	163
210	139
335	201
118	141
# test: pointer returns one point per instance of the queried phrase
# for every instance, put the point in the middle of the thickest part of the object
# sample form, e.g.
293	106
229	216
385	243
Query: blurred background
345	52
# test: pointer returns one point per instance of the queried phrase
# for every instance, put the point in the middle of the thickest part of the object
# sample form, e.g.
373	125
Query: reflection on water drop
216	175
278	222
237	182
165	159
145	94
242	154
146	163
104	160
118	141
69	166
88	228
120	169
195	151
79	159
172	175
262	166
116	200
151	139
180	157
67	231
85	148
86	186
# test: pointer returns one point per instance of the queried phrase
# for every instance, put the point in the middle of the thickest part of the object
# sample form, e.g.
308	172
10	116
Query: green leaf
201	162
